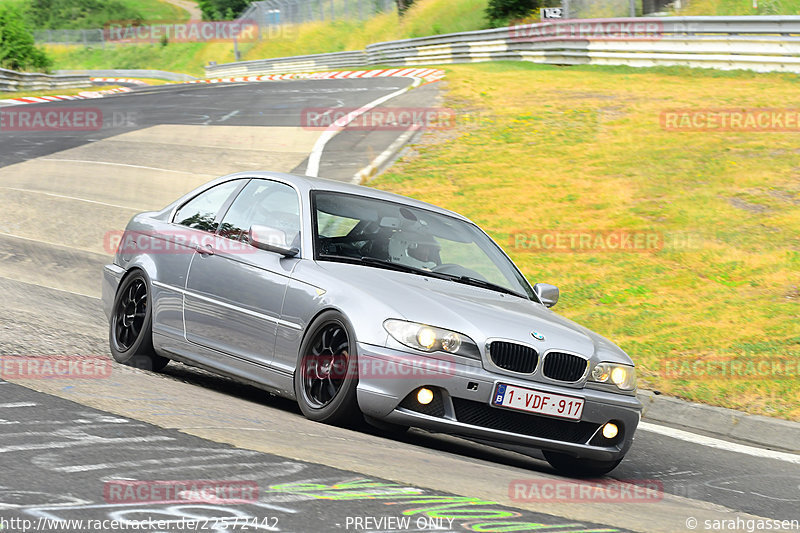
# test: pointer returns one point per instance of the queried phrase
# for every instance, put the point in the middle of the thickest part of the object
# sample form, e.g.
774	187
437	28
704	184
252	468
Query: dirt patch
785	196
748	206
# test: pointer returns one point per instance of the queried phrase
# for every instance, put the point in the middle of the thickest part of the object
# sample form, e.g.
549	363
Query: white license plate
533	401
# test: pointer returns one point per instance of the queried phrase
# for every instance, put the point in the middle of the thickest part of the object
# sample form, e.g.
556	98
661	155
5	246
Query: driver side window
264	203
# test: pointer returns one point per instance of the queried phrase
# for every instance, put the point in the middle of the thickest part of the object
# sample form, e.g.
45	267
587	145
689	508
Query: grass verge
154	11
542	150
55	92
740	7
426	17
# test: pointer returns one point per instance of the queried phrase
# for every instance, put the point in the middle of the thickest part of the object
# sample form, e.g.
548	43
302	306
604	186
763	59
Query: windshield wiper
403	268
466	280
383	263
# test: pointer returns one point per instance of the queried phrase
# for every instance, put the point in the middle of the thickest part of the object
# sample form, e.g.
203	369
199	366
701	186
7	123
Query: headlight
431	339
622	376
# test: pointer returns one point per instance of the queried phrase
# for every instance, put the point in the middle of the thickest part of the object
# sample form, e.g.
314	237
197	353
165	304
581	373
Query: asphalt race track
62	442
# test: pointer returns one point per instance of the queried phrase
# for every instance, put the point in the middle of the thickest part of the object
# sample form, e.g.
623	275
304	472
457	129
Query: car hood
479	313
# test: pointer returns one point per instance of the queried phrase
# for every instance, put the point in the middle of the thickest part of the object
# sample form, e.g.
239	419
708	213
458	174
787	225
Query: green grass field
79	14
740	7
427	17
543	149
157	10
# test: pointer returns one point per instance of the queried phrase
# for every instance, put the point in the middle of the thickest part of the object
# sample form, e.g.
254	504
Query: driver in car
414	249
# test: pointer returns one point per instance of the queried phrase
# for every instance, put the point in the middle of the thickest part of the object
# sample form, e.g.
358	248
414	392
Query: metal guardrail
290	64
760	43
85	37
129	73
12	81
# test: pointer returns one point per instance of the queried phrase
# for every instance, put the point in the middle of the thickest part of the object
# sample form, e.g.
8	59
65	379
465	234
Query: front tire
131	328
326	375
579	467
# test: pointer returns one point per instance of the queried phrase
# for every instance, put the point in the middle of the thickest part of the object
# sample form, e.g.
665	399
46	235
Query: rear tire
579	467
326	374
131	328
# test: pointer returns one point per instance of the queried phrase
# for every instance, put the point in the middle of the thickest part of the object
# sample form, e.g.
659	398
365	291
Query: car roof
309	183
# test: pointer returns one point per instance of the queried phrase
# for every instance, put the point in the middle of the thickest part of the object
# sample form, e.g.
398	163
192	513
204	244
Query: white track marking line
229	115
75	443
711	442
50	288
120	165
57	245
315	157
73	198
17	404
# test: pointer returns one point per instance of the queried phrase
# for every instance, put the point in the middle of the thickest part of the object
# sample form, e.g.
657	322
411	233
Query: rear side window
201	211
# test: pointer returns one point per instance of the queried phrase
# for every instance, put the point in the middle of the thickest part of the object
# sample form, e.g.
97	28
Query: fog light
610	431
425	396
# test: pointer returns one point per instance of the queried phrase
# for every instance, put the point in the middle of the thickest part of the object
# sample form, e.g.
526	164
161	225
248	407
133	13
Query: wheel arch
142	263
313	319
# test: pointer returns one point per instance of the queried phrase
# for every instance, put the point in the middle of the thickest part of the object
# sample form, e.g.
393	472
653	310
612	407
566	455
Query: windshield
384	234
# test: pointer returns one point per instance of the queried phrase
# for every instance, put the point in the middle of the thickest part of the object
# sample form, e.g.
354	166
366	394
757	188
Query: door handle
205	250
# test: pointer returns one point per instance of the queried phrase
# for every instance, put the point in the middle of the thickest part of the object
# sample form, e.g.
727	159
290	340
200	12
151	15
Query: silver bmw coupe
364	305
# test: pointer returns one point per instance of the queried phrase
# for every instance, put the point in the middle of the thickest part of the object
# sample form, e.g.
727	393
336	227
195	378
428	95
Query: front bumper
463	390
